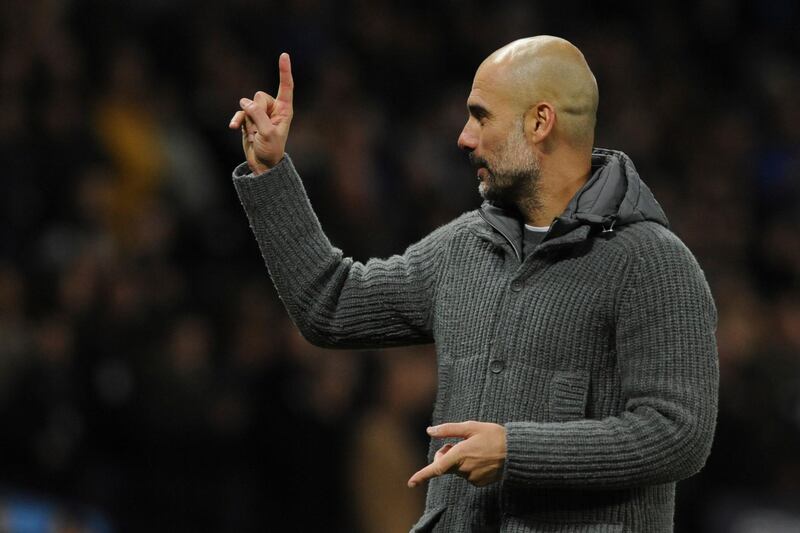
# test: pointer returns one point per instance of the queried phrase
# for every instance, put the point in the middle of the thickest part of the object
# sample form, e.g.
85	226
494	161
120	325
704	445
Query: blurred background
149	377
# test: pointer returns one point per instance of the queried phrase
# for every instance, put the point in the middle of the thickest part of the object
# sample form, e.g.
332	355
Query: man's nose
467	141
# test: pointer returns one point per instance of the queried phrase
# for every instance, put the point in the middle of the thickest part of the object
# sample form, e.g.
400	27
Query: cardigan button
497	366
516	285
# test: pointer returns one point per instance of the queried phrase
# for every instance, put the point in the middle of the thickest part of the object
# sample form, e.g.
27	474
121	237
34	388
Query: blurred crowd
149	377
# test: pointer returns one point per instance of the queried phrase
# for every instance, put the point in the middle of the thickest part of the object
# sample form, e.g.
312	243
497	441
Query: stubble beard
513	181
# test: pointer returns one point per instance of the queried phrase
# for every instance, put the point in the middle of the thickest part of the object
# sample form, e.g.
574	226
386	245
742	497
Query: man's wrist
261	167
258	168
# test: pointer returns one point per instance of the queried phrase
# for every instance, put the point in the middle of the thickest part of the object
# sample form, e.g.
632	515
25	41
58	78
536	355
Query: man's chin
483	190
489	193
492	195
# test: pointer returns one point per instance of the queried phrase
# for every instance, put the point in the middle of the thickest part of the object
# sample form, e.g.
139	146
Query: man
574	332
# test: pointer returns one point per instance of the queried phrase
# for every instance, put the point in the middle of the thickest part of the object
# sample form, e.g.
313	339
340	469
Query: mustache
478	162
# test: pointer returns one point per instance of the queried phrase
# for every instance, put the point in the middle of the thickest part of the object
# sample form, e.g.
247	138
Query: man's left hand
478	458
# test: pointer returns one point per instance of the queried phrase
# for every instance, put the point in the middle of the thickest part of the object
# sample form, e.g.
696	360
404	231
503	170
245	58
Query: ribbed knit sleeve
337	302
667	360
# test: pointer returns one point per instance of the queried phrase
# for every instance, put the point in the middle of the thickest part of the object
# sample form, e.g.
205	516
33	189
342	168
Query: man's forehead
475	97
478	100
489	88
489	69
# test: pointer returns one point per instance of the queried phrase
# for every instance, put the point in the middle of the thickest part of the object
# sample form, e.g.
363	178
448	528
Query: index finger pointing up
286	87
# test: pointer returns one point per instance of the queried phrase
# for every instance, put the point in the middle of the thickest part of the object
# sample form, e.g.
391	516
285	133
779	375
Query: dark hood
613	196
615	192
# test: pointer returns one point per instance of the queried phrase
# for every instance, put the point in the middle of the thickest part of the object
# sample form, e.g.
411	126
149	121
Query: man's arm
667	360
334	301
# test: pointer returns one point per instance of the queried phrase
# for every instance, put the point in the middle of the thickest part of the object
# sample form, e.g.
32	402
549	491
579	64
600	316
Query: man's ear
540	119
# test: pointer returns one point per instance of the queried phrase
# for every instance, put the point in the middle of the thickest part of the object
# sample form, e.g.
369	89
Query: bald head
548	69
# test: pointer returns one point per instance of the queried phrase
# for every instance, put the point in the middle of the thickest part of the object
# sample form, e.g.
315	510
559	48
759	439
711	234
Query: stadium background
149	378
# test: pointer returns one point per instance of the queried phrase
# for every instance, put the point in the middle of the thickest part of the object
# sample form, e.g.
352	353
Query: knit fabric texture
596	352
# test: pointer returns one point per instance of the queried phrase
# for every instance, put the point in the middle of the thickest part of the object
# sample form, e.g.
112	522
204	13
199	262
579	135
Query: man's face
505	165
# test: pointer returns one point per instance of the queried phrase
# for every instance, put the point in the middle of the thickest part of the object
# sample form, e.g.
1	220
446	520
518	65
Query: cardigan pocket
428	521
518	524
568	395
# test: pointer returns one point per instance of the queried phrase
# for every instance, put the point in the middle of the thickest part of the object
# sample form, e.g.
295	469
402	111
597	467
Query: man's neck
554	191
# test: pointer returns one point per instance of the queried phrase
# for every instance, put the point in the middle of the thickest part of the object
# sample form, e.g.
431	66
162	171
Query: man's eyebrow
478	111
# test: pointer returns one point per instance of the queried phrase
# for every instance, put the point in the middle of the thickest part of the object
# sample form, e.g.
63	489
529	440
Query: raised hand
479	458
265	121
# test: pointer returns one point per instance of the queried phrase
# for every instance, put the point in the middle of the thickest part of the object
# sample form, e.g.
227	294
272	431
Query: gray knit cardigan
596	351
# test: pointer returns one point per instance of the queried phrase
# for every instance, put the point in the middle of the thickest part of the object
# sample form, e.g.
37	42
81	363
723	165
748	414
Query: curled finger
257	113
265	100
237	120
249	129
443	450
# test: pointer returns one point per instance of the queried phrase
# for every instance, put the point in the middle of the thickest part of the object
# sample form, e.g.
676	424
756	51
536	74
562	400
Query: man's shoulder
654	244
440	238
647	234
461	223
